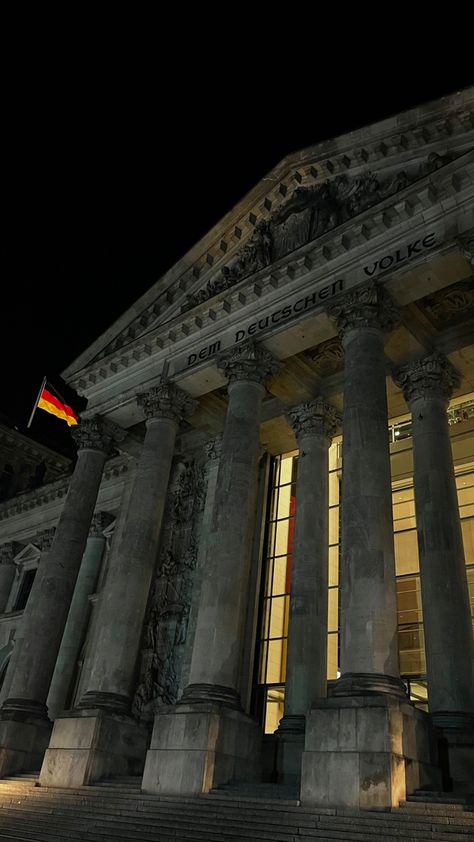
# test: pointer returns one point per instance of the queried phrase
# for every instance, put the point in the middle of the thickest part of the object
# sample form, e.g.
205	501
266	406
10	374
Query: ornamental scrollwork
248	361
308	214
91	434
166	401
314	418
430	376
367	306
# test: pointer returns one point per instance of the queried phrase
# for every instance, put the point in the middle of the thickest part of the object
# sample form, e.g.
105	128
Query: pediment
307	196
28	553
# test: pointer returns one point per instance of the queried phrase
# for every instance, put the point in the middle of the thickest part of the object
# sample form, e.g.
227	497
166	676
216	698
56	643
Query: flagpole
36	403
58	393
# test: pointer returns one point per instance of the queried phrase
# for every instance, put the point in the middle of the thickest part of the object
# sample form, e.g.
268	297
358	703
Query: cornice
35	450
331	253
396	140
55	490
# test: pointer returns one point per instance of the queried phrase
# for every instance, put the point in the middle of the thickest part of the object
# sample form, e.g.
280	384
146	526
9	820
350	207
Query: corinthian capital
366	306
248	361
315	418
213	448
432	375
92	434
166	401
99	522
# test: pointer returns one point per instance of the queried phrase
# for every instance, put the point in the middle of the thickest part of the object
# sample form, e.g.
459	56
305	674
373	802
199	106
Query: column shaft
78	619
369	646
427	385
124	598
217	649
306	671
53	587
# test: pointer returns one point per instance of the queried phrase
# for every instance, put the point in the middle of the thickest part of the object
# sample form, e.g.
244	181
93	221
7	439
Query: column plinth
187	753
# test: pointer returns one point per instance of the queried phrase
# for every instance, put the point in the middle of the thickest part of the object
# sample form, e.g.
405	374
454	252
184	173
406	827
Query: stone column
427	386
101	738
369	646
50	600
366	746
78	617
206	739
7	573
215	664
133	558
314	424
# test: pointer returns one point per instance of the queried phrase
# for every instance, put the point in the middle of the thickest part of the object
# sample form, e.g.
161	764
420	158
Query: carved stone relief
310	213
166	625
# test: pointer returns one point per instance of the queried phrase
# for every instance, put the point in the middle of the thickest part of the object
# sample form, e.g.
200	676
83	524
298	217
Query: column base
87	745
289	749
456	747
196	747
367	752
24	737
365	683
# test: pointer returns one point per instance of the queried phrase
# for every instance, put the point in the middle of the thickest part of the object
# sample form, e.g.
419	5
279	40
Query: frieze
307	215
8	552
432	375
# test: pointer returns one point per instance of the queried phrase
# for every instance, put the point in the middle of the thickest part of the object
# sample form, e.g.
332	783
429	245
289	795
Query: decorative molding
100	521
166	401
28	500
367	306
8	552
328	357
310	213
314	418
92	434
213	449
453	301
44	539
466	243
430	376
248	361
162	338
166	625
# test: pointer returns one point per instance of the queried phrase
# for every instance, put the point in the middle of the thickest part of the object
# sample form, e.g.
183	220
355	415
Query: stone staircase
116	811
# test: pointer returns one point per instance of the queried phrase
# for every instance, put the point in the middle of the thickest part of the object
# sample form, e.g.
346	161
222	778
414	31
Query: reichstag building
261	567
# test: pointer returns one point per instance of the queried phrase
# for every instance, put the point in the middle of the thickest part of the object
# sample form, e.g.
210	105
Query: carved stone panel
166	624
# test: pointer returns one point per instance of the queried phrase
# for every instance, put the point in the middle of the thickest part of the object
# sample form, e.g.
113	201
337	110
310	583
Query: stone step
435	799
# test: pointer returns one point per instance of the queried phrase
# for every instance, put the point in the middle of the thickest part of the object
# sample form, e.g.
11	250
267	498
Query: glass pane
332	656
467	527
333	459
279	616
332	609
276	667
286	470
333	489
406	552
334	525
409	601
280	580
274	708
411	645
284	529
284	502
333	566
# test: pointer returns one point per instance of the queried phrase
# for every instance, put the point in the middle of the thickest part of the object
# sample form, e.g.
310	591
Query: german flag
50	403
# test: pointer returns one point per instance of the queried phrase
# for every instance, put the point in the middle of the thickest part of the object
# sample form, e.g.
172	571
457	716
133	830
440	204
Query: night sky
107	188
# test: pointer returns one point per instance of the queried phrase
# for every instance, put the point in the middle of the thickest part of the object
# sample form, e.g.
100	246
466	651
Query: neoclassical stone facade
261	567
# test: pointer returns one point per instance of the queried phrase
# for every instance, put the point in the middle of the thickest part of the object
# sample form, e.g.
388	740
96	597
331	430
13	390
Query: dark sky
106	187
